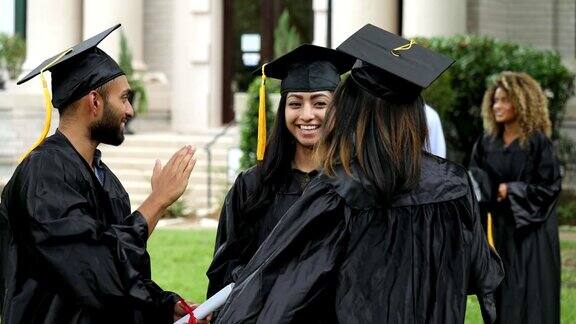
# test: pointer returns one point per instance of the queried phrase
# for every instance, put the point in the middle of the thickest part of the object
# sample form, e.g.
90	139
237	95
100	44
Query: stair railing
208	148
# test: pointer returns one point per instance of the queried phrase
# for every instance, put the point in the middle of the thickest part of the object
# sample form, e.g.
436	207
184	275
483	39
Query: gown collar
440	180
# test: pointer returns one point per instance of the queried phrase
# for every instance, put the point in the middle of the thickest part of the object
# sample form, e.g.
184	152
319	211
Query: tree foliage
457	95
140	98
286	38
12	54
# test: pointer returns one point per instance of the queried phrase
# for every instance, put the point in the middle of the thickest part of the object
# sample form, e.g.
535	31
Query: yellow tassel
489	234
261	146
47	106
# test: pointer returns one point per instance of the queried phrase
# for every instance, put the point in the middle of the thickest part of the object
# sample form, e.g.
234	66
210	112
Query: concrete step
161	152
195	195
198	136
193	199
133	162
176	143
146	175
118	163
139	187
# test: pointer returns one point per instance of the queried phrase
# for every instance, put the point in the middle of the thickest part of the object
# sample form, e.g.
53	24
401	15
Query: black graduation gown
239	235
339	256
525	227
73	252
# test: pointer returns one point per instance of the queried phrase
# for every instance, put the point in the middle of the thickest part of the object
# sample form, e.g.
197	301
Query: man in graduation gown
72	250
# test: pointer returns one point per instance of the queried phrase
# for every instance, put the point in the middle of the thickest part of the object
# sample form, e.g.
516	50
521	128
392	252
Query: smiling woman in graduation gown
262	194
523	175
385	238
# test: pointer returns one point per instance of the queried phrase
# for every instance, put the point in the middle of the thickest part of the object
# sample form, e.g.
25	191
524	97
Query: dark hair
528	99
385	139
102	90
271	172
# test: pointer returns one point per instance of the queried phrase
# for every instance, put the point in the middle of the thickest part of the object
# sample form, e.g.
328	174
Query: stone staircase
133	162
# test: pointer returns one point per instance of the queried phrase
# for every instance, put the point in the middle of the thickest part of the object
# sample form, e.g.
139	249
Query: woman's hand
502	192
180	311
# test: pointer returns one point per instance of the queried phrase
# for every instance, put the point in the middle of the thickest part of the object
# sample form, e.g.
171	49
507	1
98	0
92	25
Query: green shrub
566	150
249	122
457	96
566	208
286	38
12	54
178	208
140	99
286	34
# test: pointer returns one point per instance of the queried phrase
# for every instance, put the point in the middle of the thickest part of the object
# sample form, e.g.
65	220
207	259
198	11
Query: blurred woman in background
517	157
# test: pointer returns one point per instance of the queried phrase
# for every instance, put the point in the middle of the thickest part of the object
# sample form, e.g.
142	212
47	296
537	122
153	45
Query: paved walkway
188	223
568	235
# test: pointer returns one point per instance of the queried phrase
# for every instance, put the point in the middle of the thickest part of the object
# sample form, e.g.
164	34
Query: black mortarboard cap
83	68
308	68
390	66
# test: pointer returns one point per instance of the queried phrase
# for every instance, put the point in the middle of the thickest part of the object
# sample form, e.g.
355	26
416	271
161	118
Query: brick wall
546	24
566	28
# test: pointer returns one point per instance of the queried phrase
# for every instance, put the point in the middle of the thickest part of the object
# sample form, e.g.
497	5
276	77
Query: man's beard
108	130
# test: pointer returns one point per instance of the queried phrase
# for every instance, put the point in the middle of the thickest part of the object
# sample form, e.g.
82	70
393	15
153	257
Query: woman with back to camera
262	194
522	172
387	233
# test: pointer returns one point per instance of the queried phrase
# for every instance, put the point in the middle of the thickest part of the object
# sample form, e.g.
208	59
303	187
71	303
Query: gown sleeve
532	201
94	264
476	156
231	239
485	188
300	256
486	268
5	263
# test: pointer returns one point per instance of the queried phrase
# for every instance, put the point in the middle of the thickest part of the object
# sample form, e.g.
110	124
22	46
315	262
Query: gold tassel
261	146
404	47
47	106
489	230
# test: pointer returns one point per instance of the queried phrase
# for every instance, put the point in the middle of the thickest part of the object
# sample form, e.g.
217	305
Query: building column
216	62
433	18
349	16
320	8
196	81
7	15
51	27
102	14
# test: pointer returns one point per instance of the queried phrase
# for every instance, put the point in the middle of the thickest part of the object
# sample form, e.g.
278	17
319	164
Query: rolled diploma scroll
207	307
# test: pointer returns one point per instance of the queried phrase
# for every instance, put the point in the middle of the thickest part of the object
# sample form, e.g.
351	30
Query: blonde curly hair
528	99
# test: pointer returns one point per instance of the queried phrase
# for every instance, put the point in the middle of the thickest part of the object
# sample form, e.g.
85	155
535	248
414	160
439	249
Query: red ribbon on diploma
189	310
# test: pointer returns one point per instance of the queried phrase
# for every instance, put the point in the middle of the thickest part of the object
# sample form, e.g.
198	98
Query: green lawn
180	259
